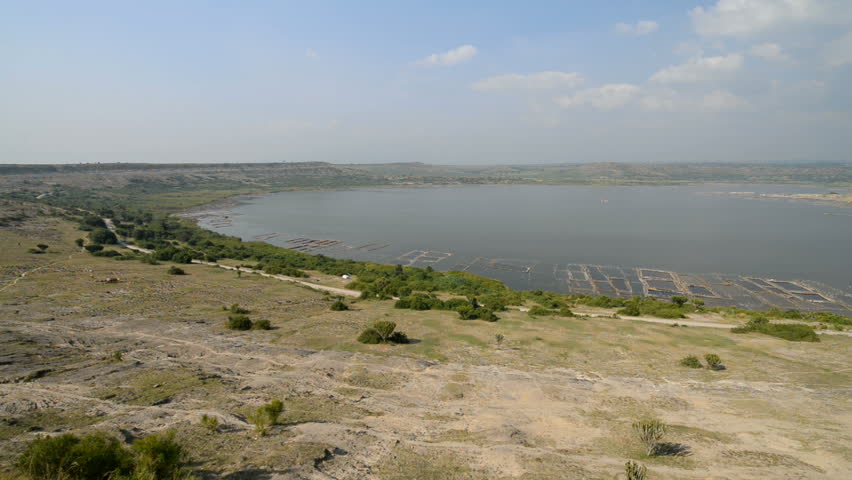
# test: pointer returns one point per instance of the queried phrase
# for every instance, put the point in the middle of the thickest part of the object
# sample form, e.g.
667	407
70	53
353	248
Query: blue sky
438	82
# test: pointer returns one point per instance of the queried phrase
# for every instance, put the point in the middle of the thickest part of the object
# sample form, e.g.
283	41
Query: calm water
684	228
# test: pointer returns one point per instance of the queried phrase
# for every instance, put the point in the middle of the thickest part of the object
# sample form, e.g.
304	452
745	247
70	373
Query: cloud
531	81
699	69
748	17
311	53
672	101
839	52
453	57
769	51
606	97
642	27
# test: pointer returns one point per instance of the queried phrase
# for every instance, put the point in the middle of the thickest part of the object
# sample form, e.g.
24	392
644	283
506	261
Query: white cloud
453	57
311	53
769	51
747	17
839	51
642	27
531	81
672	101
699	69
606	97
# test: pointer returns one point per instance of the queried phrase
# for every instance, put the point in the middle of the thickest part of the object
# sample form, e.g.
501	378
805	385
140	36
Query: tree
679	300
103	236
698	302
80	242
385	329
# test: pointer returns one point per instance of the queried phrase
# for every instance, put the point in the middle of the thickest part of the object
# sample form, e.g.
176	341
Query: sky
455	82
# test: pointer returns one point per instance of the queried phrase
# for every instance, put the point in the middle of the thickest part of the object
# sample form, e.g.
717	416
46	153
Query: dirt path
337	291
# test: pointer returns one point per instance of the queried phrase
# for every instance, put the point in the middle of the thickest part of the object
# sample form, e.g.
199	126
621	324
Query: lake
536	236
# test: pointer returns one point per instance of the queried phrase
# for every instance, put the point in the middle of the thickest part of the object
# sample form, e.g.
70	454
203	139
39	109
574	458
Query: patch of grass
155	387
407	463
793	332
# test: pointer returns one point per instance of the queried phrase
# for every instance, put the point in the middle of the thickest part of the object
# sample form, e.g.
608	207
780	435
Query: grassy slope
729	418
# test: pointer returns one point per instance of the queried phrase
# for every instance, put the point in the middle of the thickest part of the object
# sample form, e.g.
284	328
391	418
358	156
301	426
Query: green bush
793	332
537	311
94	248
369	336
67	456
382	332
691	361
79	242
239	322
173	270
679	300
236	308
99	456
713	360
261	325
637	306
104	236
265	416
339	306
159	456
210	423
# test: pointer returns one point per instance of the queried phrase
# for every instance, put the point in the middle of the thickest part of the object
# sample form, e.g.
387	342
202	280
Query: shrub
94	248
210	423
649	431
679	300
159	456
35	251
382	332
486	314
793	332
384	328
466	312
369	336
261	325
265	416
691	362
67	456
499	338
42	246
339	306
698	302
635	471
235	308
173	270
566	312
102	235
713	360
80	242
239	322
537	311
149	260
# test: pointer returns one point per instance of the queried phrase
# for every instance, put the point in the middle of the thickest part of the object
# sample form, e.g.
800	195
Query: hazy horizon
483	83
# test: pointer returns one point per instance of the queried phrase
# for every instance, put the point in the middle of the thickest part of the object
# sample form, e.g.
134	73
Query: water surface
678	228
